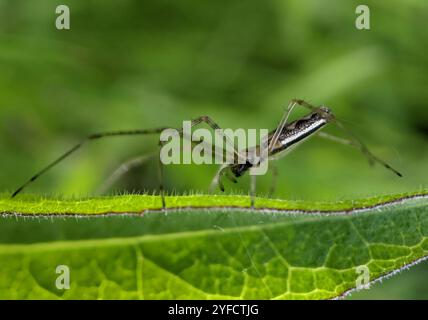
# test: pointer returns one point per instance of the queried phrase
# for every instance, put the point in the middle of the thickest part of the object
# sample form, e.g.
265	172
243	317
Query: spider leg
356	143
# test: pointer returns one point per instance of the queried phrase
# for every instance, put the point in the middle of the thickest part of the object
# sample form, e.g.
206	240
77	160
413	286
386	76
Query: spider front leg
356	143
304	104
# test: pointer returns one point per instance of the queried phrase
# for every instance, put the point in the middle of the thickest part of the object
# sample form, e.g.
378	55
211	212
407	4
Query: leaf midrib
42	246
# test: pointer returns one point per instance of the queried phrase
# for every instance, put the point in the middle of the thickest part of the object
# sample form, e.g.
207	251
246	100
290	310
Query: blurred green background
142	64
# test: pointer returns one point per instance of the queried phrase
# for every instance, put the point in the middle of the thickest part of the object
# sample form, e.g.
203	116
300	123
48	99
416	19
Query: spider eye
325	109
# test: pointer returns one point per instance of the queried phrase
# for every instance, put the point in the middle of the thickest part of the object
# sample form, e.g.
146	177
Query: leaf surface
205	247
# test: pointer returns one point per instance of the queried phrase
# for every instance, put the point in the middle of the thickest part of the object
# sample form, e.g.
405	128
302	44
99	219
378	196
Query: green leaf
205	247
